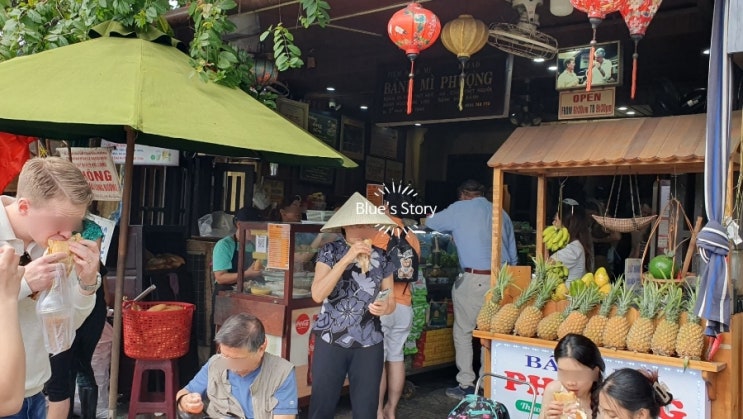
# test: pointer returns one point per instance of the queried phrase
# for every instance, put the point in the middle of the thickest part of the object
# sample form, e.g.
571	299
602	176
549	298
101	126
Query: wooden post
496	251
126	204
541	214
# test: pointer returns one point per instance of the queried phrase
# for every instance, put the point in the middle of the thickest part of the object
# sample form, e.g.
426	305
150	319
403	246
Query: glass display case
285	255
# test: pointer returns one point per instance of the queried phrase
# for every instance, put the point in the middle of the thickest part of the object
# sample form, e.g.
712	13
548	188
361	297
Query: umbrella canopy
96	87
714	296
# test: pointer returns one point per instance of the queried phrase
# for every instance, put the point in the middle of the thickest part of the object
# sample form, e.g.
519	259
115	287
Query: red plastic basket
155	335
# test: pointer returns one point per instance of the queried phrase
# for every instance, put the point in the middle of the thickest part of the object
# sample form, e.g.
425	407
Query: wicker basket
624	225
159	334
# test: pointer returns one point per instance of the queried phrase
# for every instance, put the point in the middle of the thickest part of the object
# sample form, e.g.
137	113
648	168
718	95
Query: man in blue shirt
242	380
470	222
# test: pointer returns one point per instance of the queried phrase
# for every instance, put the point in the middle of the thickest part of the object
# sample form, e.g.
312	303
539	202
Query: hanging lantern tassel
591	58
635	55
411	82
463	62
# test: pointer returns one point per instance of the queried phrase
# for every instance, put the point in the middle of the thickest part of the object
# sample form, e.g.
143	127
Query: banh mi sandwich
568	398
363	258
63	246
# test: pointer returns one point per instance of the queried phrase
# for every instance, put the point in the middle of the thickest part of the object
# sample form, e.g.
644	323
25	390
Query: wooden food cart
671	145
287	312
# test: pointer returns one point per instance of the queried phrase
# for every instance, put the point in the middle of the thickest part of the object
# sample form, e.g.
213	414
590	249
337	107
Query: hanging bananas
554	238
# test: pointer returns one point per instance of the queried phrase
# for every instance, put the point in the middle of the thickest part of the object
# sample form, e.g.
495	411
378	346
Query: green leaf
294	50
265	34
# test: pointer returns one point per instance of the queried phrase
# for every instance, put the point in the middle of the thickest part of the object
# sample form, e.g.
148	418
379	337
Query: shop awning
672	144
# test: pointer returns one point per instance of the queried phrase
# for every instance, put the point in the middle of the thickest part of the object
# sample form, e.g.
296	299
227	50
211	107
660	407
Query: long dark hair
634	390
575	220
583	350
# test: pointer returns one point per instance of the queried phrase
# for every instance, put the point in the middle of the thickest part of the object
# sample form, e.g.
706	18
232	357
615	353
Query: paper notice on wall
99	170
278	246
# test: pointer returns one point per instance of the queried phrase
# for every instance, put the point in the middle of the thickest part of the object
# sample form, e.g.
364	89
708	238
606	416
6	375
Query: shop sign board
537	366
143	155
98	169
436	90
579	104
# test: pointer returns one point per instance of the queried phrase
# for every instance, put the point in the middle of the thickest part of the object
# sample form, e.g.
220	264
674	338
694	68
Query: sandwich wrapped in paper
63	246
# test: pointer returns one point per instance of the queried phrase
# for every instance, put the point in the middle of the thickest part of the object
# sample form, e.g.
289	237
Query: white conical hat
356	211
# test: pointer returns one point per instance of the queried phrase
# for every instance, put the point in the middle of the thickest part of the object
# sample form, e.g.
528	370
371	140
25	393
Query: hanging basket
624	225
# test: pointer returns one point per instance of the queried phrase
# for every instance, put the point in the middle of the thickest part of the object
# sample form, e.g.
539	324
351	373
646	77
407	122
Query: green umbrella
97	87
127	86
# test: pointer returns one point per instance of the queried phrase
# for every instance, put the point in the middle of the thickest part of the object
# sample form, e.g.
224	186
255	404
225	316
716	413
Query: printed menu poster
278	246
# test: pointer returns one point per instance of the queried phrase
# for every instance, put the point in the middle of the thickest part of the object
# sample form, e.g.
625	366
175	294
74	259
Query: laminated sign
98	168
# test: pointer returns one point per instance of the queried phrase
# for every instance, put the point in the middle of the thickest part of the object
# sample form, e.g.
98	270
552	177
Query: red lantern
637	15
596	11
413	29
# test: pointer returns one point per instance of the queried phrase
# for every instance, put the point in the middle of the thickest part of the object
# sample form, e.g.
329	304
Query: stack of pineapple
657	328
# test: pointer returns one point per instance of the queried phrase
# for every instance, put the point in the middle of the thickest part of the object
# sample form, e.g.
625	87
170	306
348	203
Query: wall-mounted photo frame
352	138
317	175
297	112
572	66
374	169
393	171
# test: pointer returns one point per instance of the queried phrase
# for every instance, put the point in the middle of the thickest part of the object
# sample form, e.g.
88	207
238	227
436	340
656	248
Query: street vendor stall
281	298
668	145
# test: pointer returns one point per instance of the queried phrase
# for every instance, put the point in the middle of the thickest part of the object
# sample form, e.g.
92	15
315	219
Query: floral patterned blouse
345	319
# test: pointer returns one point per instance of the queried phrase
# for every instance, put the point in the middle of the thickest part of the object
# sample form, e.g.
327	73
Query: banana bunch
558	270
554	238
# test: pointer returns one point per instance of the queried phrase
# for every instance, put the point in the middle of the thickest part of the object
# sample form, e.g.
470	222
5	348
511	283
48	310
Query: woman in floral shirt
349	336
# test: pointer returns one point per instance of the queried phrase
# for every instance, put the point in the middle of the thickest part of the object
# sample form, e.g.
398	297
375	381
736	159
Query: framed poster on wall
374	169
297	112
352	138
319	175
393	171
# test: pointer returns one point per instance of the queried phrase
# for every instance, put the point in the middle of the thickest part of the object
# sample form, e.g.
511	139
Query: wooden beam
541	214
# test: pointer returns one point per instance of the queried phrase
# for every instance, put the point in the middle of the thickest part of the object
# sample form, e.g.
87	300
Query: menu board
436	90
278	246
324	127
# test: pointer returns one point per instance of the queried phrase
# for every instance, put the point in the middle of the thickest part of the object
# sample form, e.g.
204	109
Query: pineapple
547	327
641	333
664	338
690	338
595	328
491	306
487	310
617	327
506	317
587	297
504	280
526	325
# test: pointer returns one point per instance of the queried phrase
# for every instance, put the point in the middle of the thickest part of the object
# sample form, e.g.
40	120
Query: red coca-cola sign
303	323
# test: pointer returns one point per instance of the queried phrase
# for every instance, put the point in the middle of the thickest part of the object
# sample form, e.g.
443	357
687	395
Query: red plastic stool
153	402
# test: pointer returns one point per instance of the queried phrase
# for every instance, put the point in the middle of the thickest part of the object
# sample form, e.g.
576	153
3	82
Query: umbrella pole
126	198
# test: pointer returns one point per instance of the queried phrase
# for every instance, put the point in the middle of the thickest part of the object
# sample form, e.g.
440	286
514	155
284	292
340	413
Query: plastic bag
55	310
216	224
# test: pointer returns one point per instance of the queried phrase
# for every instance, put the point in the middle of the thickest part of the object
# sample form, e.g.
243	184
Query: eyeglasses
24	260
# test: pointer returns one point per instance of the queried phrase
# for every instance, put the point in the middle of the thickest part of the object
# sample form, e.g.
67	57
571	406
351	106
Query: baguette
363	259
